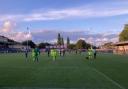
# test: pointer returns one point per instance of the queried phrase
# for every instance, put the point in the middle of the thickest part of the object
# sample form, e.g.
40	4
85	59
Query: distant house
3	39
121	48
3	42
57	46
8	43
19	46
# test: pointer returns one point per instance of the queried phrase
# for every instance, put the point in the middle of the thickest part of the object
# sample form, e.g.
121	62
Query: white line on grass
114	82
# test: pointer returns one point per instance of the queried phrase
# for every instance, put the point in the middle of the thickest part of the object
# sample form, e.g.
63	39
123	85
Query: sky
95	21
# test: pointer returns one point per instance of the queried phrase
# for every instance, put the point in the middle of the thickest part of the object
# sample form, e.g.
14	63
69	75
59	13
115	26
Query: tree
62	41
81	44
59	39
71	46
68	41
43	45
124	34
108	45
89	45
29	43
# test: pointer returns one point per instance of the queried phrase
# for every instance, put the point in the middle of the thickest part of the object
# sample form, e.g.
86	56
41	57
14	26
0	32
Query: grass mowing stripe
108	78
66	72
39	88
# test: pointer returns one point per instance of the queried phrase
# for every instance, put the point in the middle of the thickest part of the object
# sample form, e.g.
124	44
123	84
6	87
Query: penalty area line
108	78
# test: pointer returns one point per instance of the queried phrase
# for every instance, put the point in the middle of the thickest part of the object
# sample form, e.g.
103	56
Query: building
57	46
3	42
3	39
19	46
121	48
11	45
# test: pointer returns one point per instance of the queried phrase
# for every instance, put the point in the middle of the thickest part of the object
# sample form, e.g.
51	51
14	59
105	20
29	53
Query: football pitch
108	71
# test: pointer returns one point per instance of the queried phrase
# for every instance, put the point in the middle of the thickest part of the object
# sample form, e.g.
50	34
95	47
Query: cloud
95	38
21	36
76	13
51	36
7	30
18	36
89	11
7	26
12	17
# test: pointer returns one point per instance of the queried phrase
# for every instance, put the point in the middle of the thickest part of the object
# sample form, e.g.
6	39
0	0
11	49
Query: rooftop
121	43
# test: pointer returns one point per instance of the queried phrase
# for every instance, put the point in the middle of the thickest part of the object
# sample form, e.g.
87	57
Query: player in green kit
35	54
53	54
90	53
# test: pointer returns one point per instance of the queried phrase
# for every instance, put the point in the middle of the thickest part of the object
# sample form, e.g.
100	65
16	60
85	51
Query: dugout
121	48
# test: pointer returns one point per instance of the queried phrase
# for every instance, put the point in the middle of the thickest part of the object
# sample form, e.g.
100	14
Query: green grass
108	71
